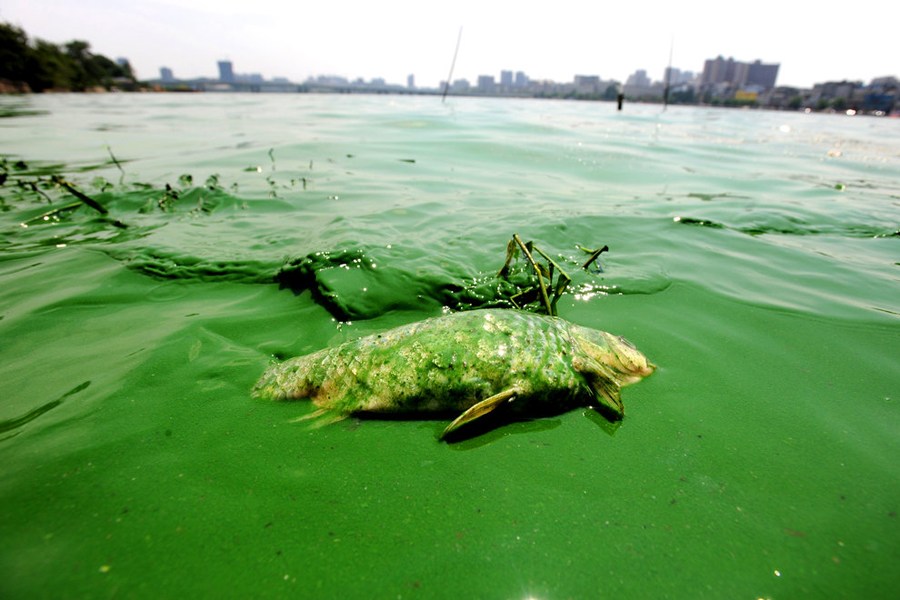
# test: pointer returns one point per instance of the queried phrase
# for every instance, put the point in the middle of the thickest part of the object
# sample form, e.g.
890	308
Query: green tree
84	73
43	65
13	53
683	96
50	68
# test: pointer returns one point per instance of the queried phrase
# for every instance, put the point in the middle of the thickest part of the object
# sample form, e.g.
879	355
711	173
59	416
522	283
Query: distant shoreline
8	88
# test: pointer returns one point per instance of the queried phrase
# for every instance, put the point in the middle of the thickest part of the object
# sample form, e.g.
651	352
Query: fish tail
320	418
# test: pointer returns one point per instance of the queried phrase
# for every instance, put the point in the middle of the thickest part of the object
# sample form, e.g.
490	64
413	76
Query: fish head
628	364
608	362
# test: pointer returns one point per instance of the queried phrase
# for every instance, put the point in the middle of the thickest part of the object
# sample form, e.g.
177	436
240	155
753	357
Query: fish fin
608	395
603	381
320	418
480	409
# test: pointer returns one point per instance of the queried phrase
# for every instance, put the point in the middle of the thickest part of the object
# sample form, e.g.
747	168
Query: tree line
37	65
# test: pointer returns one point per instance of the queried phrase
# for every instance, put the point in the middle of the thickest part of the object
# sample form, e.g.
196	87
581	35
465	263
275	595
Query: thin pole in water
452	64
668	75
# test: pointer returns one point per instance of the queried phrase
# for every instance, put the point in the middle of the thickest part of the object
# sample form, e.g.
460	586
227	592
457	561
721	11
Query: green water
753	257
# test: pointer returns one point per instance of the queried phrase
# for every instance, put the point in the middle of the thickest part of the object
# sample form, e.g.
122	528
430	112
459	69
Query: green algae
758	461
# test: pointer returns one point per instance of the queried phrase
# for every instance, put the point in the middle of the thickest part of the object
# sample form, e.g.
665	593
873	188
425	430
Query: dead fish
475	362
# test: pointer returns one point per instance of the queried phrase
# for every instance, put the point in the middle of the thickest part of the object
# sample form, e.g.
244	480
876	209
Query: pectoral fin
480	409
604	383
608	394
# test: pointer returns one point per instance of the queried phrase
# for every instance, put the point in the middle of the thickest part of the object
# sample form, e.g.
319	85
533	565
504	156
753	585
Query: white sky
814	41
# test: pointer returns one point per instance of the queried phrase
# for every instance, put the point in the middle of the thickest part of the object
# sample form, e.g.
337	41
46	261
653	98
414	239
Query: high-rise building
226	72
486	83
758	74
638	79
165	74
521	79
411	81
717	70
674	76
506	78
721	72
461	85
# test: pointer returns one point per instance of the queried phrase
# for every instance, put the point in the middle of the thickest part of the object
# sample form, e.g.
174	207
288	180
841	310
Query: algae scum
558	371
55	211
175	246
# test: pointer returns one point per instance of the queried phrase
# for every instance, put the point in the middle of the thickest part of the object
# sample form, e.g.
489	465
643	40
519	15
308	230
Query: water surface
753	257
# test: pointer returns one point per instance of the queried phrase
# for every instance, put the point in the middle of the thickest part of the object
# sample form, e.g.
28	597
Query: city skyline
723	82
397	38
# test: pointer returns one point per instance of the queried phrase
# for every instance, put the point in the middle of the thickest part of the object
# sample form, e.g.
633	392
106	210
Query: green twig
117	163
594	255
33	186
51	213
562	279
537	272
510	255
81	195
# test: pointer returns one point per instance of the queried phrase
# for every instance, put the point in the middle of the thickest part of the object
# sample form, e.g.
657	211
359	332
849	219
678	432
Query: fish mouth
634	375
632	364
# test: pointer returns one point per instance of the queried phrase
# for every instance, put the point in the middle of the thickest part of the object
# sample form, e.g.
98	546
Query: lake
753	256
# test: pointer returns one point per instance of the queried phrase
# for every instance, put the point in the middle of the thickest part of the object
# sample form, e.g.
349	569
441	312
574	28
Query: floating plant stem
80	195
50	214
594	255
537	271
562	279
85	199
117	163
511	249
557	281
33	186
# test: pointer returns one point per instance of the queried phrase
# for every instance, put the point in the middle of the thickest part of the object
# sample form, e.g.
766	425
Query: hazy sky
557	39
